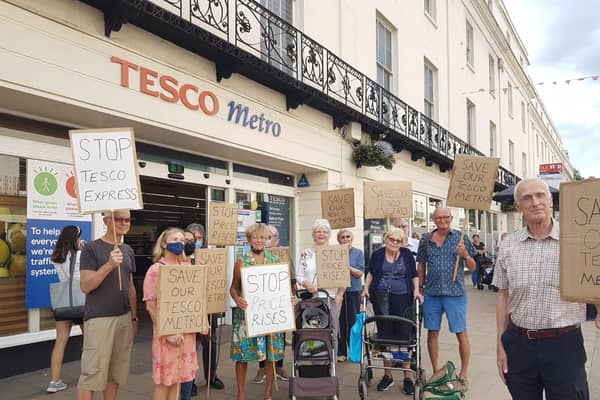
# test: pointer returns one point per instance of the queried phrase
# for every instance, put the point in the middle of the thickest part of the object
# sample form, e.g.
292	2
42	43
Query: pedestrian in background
68	245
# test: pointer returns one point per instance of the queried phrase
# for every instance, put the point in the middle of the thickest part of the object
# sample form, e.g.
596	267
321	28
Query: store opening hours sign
106	172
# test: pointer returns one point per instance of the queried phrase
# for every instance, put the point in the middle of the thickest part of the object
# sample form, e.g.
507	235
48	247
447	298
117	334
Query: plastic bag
355	351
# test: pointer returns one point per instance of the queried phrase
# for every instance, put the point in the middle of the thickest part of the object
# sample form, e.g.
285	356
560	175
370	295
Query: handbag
443	385
67	299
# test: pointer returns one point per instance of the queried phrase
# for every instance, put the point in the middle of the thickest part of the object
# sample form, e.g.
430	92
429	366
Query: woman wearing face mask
243	348
174	357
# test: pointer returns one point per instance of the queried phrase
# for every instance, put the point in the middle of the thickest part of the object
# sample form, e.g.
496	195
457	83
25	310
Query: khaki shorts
107	344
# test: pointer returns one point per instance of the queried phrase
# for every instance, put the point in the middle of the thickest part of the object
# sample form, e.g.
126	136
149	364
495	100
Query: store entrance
166	203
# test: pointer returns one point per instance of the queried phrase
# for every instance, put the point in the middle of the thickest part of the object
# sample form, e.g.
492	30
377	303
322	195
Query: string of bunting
505	89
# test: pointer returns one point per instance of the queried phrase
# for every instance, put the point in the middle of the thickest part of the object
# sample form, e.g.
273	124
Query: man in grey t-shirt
110	312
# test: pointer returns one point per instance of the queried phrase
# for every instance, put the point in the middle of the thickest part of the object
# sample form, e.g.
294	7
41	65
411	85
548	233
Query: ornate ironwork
242	35
214	13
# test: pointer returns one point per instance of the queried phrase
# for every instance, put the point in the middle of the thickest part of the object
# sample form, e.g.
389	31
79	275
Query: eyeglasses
124	220
394	240
442	217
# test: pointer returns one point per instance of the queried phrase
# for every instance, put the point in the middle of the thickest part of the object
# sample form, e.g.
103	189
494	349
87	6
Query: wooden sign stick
209	374
272	337
112	217
462	237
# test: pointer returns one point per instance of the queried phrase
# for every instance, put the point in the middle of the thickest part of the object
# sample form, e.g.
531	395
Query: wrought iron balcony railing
240	33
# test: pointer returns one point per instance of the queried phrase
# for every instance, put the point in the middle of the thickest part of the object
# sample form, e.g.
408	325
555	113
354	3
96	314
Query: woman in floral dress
174	357
243	348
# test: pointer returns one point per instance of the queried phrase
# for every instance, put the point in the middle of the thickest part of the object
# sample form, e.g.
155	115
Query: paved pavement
483	380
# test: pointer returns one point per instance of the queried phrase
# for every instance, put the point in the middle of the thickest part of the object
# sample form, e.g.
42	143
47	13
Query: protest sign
267	289
388	199
472	183
282	252
181	299
215	261
222	223
106	173
337	207
580	241
333	266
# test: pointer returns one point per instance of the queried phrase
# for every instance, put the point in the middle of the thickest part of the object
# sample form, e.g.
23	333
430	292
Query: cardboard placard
472	183
333	266
181	303
268	291
106	173
222	223
580	241
282	252
215	261
337	207
388	199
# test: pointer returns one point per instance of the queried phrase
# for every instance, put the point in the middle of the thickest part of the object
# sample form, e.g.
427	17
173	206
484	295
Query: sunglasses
346	237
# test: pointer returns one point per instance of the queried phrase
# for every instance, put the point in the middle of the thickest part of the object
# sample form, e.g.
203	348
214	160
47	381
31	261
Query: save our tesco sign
169	89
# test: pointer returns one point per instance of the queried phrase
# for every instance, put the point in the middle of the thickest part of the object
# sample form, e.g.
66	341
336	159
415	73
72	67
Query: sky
562	38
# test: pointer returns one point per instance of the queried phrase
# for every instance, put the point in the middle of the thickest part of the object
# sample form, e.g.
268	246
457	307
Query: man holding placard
540	345
110	313
436	262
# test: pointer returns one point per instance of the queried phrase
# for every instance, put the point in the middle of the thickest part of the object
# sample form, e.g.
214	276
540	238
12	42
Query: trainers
281	375
385	383
217	384
409	386
464	384
57	386
260	376
341	359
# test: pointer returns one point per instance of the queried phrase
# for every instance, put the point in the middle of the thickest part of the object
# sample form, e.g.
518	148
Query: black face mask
189	248
256	251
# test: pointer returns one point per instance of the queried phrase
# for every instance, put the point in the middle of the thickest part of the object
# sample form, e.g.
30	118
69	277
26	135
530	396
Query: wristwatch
135	319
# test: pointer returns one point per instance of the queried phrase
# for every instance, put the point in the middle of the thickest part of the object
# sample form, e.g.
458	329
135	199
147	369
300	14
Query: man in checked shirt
540	346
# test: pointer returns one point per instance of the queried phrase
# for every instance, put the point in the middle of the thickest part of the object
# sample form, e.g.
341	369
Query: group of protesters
539	342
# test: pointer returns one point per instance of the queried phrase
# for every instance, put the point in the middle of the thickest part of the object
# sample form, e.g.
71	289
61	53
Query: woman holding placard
174	357
243	348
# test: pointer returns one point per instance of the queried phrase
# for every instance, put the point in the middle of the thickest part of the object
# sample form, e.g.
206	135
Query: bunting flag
505	89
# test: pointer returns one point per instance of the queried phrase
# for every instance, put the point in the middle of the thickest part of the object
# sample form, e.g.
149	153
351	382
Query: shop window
13	258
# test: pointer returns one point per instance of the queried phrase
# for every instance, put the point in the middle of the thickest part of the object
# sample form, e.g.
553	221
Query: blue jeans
475	276
186	390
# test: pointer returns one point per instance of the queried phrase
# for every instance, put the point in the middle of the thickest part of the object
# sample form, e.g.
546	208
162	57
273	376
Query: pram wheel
418	391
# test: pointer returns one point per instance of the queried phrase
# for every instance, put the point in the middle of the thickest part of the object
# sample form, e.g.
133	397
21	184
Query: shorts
106	357
455	308
76	321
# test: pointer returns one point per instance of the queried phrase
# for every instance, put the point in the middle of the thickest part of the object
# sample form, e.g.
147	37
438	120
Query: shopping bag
355	351
67	299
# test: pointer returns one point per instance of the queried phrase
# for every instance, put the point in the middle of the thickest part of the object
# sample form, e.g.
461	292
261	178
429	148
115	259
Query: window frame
470	44
432	103
471	123
388	71
492	75
431	10
493	139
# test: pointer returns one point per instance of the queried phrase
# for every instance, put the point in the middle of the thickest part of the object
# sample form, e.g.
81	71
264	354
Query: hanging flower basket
374	155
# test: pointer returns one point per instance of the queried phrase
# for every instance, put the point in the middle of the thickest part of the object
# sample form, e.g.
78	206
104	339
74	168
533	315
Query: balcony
241	36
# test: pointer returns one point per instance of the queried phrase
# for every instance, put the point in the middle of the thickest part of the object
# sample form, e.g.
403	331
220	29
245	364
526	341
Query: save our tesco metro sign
169	89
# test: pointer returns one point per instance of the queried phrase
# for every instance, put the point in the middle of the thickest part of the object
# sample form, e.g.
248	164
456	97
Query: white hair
320	224
527	180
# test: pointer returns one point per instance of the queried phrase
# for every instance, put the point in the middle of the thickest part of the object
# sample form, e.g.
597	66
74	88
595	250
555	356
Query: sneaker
409	386
341	359
385	383
260	376
464	384
281	375
57	386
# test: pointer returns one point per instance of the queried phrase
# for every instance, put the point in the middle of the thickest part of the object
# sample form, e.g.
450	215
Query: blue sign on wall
41	241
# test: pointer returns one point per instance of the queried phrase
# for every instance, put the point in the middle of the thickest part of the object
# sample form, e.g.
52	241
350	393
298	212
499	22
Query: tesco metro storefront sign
171	90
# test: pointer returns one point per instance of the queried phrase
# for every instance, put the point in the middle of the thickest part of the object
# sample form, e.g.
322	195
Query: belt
542	333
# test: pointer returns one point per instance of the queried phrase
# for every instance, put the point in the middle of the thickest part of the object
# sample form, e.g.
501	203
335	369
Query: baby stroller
375	349
314	348
485	267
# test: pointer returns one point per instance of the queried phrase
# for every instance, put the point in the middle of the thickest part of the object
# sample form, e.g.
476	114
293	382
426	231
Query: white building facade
254	102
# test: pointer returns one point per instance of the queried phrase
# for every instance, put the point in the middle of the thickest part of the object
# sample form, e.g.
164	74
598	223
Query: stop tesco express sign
171	90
